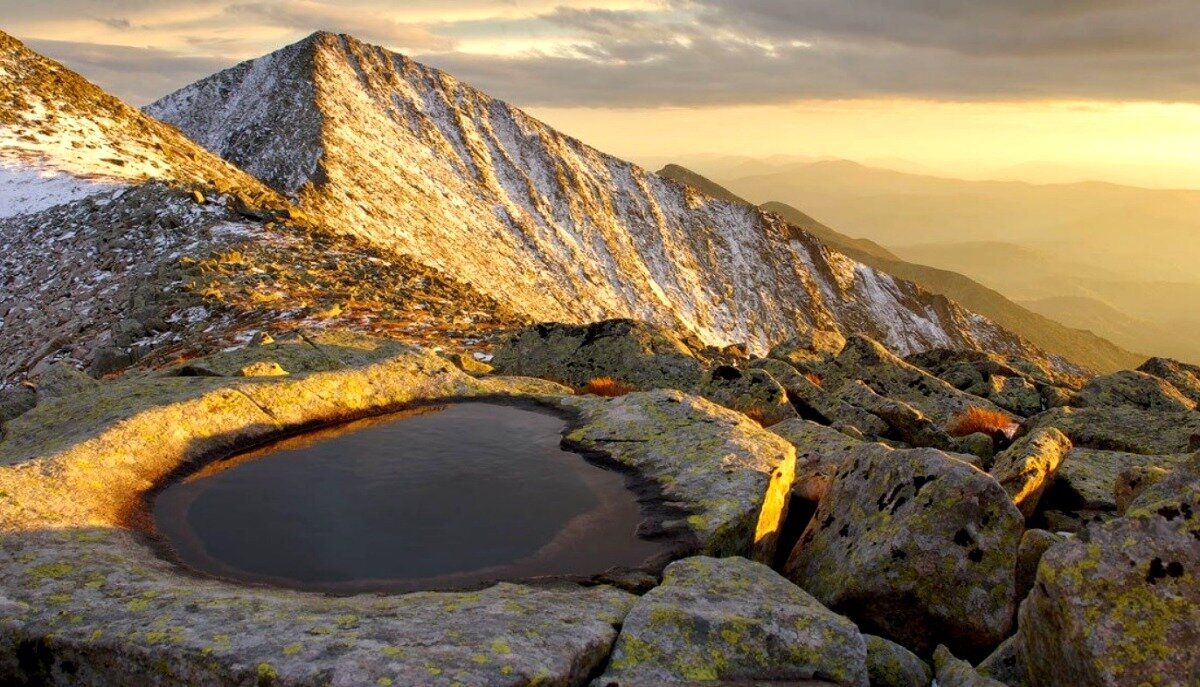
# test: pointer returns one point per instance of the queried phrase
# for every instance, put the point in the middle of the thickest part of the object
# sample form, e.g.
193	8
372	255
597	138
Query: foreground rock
731	620
754	392
85	601
1118	605
891	665
635	353
916	546
731	476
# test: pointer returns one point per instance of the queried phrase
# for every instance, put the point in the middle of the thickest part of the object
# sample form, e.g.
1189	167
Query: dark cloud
115	22
739	51
138	75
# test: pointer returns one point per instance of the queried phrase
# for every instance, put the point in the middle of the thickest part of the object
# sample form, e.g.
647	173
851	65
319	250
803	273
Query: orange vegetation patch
759	416
607	386
976	419
814	378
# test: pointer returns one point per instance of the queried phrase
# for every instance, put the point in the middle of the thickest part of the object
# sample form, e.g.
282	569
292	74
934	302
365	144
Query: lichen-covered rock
1118	605
891	665
954	672
1003	665
1026	468
16	401
904	422
813	346
815	403
888	375
820	451
1087	478
60	379
1175	497
93	607
916	546
977	444
84	601
730	475
731	620
1124	428
948	363
643	355
467	363
753	392
1184	377
1034	543
1131	388
1133	480
1016	395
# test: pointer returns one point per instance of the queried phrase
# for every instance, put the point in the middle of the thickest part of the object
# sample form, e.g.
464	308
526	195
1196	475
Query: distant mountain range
1076	344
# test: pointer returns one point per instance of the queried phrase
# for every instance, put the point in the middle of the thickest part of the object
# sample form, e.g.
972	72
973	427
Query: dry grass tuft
814	378
608	387
975	419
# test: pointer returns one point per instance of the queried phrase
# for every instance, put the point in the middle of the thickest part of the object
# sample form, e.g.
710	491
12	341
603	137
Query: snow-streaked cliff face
415	161
63	139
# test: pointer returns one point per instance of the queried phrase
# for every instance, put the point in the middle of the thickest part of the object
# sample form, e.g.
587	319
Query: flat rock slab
730	476
86	600
96	607
733	621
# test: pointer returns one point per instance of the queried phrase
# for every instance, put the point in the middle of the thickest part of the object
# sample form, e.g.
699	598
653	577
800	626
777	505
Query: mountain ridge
412	160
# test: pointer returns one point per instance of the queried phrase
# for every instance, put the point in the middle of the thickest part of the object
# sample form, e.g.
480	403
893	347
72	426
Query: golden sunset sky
1043	91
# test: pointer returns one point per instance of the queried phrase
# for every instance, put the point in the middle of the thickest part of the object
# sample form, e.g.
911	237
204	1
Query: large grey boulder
814	346
915	546
813	402
905	423
1026	468
1088	479
636	353
955	672
60	379
1117	605
1175	496
820	451
731	476
1034	544
1132	388
730	620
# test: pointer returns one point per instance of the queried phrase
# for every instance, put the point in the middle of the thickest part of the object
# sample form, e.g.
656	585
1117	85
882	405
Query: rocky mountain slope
417	163
124	239
1078	345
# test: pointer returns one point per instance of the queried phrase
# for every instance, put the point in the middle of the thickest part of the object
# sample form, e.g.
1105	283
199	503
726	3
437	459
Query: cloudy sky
1102	88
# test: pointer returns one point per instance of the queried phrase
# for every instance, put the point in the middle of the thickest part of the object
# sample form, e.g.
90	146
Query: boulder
1135	389
60	380
1133	480
954	672
731	620
1176	496
263	368
730	476
977	444
820	451
813	402
891	665
813	346
948	363
1123	428
905	423
888	375
1034	544
467	363
643	355
1184	377
915	546
754	392
1087	478
1118	605
1026	468
1016	395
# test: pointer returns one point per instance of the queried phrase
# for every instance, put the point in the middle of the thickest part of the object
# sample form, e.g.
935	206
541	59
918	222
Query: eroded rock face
731	620
1132	388
1026	468
1119	605
636	353
732	476
916	546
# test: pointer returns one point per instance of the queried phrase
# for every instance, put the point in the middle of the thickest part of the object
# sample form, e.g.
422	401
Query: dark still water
442	498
